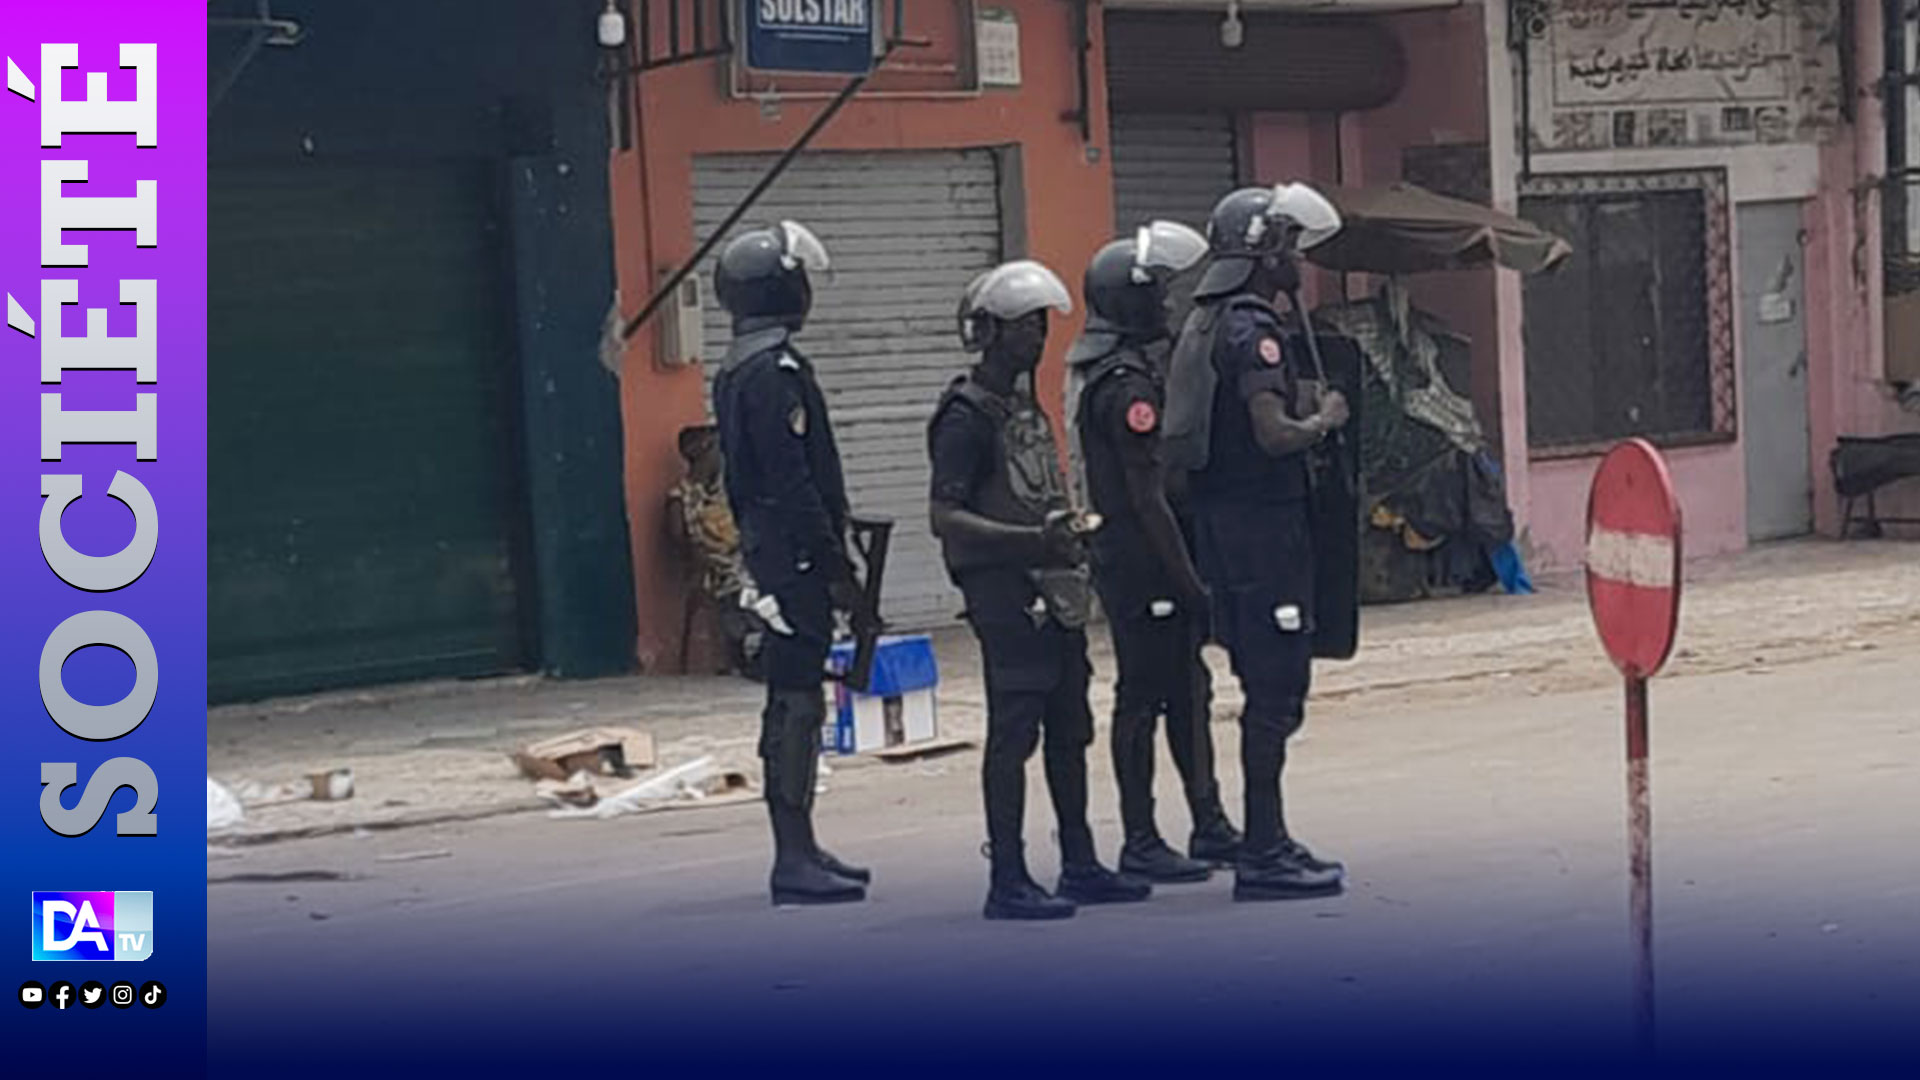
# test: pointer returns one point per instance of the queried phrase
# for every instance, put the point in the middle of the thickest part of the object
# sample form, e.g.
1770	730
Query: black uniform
1156	640
995	455
784	484
1253	541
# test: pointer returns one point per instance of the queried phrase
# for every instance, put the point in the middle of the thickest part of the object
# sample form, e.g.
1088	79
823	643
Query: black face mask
1021	343
1278	273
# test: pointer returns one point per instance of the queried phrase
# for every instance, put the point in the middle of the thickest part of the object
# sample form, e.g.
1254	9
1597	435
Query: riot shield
1336	506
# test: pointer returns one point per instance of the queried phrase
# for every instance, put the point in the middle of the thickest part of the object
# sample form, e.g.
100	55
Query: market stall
1435	512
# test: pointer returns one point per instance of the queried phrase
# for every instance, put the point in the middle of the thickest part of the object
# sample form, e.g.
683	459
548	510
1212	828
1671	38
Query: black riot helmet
1005	293
1126	283
762	274
1262	225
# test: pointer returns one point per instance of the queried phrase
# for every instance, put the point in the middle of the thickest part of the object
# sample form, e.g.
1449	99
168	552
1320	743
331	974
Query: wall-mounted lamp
1232	30
612	28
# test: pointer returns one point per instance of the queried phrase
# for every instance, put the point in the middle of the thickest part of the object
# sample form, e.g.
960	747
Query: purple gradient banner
147	637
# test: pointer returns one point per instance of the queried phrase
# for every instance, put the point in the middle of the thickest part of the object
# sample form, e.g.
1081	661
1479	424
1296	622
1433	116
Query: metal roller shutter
907	231
364	505
1174	166
1173	60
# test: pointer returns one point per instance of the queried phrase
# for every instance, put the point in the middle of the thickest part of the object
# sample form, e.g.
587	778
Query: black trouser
1036	697
795	665
1258	563
1160	672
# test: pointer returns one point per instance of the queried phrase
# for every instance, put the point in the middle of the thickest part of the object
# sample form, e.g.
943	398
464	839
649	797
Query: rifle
871	537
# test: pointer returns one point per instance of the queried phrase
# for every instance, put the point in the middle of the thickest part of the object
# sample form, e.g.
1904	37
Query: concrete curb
334	828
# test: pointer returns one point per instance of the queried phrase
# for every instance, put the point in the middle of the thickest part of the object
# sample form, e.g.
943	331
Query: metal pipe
263	25
779	167
232	74
1893	102
636	51
1640	846
1517	39
629	82
1082	44
714	53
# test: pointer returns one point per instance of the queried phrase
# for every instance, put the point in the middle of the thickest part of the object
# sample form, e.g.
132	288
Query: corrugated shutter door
906	232
1173	166
364	501
1172	60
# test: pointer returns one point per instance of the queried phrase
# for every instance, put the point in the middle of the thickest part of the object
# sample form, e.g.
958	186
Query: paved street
1486	916
440	750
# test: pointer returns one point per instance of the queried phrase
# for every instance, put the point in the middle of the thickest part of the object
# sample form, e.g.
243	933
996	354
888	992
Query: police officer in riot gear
1016	548
1156	605
784	484
1241	418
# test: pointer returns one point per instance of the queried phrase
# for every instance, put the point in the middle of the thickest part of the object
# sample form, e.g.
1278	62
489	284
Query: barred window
1633	334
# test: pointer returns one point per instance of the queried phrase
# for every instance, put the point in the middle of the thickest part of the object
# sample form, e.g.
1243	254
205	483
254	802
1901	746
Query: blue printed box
899	707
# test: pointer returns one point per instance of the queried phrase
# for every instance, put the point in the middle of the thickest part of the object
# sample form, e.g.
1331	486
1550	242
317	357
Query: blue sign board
820	37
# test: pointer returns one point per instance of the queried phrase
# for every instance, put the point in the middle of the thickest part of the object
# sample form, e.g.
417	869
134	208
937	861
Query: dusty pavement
1486	918
439	751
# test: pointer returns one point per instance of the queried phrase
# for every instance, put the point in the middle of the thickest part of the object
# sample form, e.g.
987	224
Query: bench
1861	467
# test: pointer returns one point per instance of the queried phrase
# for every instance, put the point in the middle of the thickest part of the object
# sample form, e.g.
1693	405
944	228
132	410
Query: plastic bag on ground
223	810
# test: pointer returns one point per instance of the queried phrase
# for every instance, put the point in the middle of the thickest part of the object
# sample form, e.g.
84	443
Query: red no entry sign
1633	584
1633	558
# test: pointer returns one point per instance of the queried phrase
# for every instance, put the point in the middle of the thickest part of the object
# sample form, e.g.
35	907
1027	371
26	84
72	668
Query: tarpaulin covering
1434	498
1403	229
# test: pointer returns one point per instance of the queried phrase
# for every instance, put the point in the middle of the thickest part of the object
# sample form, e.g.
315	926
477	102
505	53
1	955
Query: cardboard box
900	708
603	751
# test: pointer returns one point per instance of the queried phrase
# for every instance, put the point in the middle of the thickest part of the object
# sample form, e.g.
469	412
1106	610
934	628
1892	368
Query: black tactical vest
1023	487
1126	565
1233	469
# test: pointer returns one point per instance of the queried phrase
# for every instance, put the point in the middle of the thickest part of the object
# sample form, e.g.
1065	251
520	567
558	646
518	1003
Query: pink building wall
1849	392
1444	102
1711	482
1448	99
1846	390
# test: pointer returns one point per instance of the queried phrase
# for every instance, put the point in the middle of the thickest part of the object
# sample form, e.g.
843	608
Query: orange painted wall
685	111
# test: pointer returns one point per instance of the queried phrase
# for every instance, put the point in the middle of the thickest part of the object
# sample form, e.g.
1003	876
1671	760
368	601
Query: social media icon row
92	995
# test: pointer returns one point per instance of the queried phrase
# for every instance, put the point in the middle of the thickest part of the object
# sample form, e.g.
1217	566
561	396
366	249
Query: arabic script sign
1606	74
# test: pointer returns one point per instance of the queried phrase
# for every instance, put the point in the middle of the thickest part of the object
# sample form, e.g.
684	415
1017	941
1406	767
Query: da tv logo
92	925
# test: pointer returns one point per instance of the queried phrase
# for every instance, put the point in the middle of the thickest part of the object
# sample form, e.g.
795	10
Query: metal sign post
1633	587
1640	862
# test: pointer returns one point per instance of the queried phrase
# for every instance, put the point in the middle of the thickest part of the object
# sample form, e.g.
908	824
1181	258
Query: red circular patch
1270	350
1141	418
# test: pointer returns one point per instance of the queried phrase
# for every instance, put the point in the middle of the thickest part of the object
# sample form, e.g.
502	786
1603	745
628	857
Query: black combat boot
1311	861
797	878
789	754
1279	874
1215	841
839	869
1015	895
821	855
1090	883
1147	856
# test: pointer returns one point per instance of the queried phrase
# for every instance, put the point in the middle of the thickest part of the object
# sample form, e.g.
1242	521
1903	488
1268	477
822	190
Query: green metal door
364	513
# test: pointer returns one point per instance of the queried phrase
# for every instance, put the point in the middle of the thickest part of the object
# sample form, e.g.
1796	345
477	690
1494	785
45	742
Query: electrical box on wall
682	337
